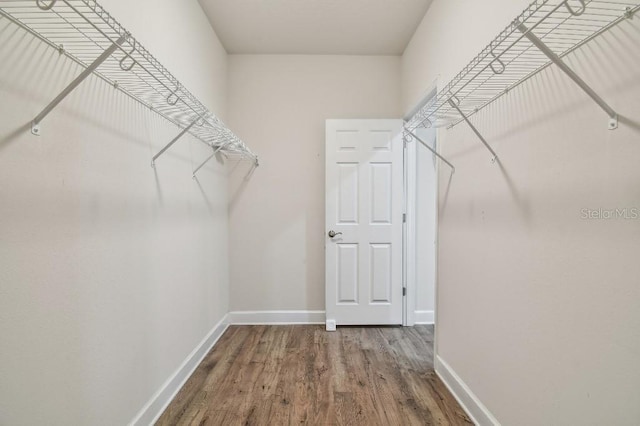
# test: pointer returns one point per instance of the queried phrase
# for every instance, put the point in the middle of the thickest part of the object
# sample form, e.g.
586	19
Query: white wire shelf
89	35
542	35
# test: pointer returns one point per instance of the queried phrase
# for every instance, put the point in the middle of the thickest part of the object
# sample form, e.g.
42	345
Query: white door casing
364	206
421	228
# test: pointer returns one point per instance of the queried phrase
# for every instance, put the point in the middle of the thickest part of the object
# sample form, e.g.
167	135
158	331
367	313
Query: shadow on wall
42	75
547	97
549	89
37	78
516	196
240	175
5	140
634	124
445	199
158	187
205	197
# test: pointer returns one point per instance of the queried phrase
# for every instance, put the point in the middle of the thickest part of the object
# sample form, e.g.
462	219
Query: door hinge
404	218
404	291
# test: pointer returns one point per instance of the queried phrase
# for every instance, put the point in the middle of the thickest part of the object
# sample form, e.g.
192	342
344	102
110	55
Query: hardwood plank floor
285	375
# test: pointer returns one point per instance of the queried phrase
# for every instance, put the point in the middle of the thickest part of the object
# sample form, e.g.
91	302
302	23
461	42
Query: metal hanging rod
426	145
83	31
561	26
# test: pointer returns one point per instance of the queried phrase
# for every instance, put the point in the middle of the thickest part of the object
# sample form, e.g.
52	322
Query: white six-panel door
364	196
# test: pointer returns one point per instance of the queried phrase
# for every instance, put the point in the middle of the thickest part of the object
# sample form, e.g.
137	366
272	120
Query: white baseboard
276	317
159	402
424	317
476	410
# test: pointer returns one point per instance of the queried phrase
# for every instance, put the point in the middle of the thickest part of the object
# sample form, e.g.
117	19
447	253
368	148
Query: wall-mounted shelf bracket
613	116
88	35
628	12
215	151
35	124
181	134
256	163
466	119
430	149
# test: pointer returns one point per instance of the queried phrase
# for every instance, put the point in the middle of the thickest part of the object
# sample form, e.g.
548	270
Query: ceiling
350	27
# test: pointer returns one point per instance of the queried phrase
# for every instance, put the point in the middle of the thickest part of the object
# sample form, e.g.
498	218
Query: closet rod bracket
613	115
35	124
478	134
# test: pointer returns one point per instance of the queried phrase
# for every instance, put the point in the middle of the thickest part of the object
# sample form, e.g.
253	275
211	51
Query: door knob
333	233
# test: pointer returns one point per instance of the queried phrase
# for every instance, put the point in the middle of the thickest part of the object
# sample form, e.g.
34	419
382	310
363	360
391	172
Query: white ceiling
354	27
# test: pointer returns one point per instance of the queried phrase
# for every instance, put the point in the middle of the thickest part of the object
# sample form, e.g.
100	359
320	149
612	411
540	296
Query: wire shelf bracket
174	140
215	151
419	139
478	134
35	124
613	116
86	33
541	36
205	162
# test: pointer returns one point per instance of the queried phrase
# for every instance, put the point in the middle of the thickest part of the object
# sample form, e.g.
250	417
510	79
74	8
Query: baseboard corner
154	408
475	409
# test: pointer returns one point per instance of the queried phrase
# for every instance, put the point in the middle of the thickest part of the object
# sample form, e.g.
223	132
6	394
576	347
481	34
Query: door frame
410	224
409	254
409	240
398	212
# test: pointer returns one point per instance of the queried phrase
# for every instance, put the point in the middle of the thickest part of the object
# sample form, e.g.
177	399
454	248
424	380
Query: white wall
110	273
180	36
280	104
426	207
443	45
537	308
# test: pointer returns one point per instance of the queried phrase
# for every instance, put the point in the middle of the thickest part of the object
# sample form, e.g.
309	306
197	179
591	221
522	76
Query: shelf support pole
35	124
215	151
482	139
431	149
613	116
181	134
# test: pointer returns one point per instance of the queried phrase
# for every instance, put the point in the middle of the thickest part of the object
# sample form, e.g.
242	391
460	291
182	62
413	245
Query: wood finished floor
285	375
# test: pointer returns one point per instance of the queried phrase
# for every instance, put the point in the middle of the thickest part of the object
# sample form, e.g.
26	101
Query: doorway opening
381	215
420	229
